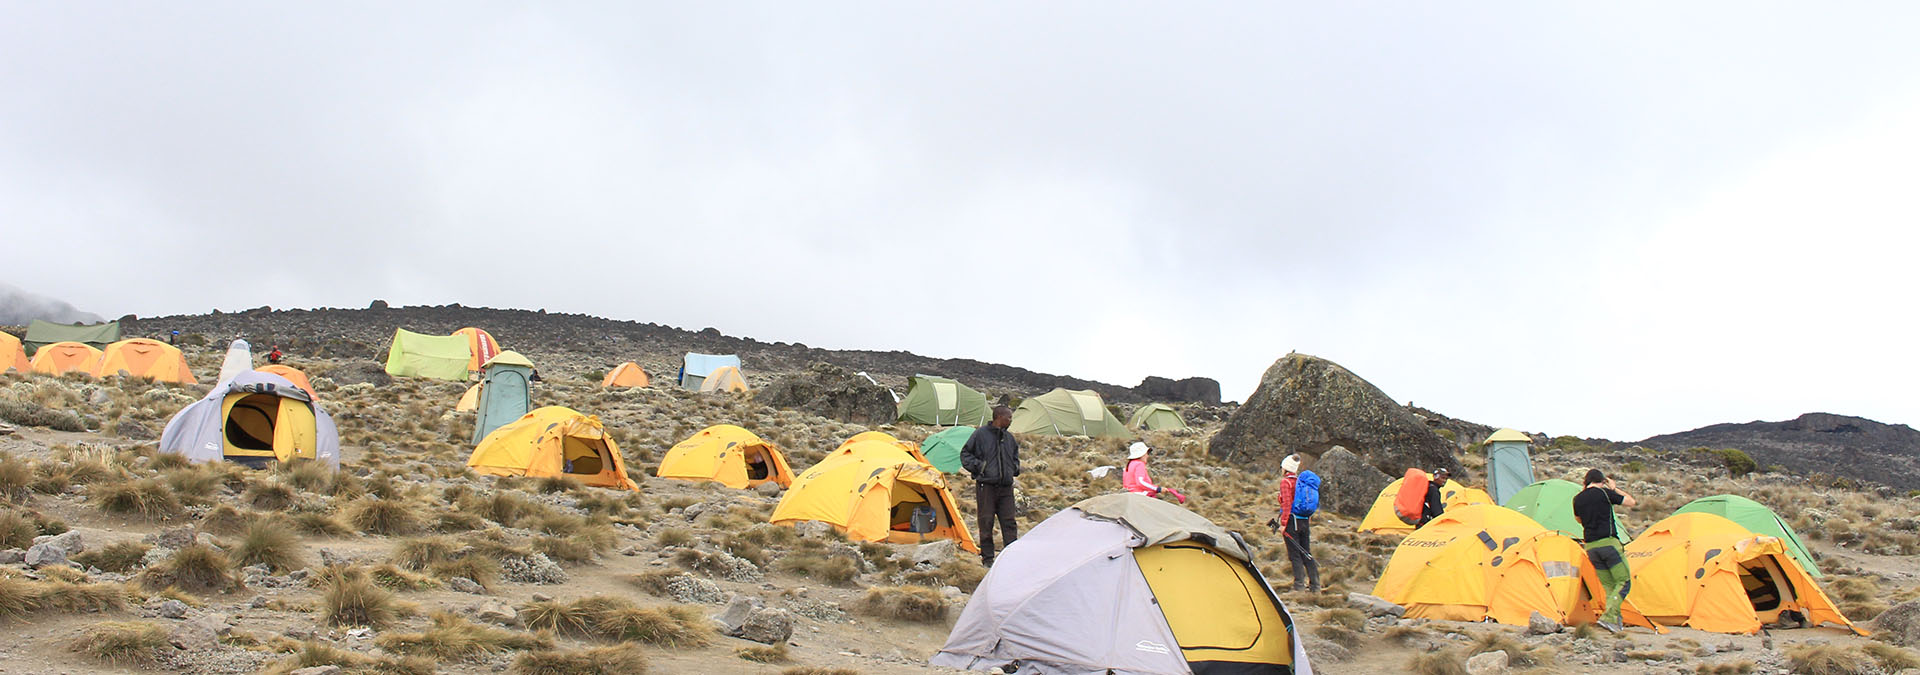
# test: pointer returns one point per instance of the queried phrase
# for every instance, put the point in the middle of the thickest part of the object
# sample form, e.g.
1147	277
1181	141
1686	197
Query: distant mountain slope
591	343
19	308
1839	445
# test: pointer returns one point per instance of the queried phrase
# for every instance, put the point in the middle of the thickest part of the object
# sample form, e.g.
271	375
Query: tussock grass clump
903	603
1445	662
557	484
1405	635
1518	655
476	568
16	479
319	524
352	599
383	516
674	536
270	496
197	484
457	521
389	575
1827	659
269	542
504	508
122	642
963	573
456	639
816	670
226	520
194	569
417	554
836	570
74	597
1734	668
307	476
617	619
145	498
610	660
1350	619
117	557
16	530
764	654
1892	659
18	597
654	581
1339	635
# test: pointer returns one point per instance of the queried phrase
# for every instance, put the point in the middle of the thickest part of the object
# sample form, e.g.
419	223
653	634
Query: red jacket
1286	497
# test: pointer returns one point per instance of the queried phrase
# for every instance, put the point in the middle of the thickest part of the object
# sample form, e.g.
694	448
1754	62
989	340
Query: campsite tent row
135	357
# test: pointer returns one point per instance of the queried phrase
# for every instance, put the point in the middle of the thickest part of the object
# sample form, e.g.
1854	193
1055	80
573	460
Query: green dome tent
1758	519
943	449
943	402
1064	412
1156	417
1550	503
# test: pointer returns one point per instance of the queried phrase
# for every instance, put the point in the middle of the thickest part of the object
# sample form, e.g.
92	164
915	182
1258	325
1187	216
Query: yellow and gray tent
1124	583
254	418
1065	412
1156	417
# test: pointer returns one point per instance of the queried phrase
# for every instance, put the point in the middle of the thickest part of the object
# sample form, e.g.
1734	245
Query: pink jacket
1135	479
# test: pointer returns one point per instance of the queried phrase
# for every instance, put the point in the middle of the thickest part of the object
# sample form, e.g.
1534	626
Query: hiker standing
1593	507
1135	478
275	355
1436	503
1296	512
992	456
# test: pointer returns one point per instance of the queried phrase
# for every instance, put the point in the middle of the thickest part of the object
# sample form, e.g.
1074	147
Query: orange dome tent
141	357
480	346
554	441
875	490
66	357
725	454
12	355
299	379
626	374
1708	573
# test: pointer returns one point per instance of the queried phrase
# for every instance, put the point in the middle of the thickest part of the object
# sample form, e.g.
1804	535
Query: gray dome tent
254	418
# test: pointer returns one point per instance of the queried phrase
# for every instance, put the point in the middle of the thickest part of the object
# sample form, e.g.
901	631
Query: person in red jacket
1135	478
275	355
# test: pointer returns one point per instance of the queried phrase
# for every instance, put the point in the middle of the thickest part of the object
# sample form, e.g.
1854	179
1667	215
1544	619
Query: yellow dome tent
553	441
872	491
1481	561
627	374
469	401
13	354
61	358
1382	520
864	436
1706	572
725	454
141	357
724	379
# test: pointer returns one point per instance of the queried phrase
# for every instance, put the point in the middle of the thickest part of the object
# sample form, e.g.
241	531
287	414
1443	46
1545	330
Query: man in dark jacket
1436	504
992	457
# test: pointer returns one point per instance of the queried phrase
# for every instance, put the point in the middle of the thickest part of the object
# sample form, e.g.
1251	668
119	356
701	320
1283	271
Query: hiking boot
1610	626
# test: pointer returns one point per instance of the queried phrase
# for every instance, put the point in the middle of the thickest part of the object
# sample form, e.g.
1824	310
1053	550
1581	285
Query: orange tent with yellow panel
875	490
1709	573
299	379
553	441
727	455
627	374
1481	561
1381	519
12	354
481	347
141	357
66	357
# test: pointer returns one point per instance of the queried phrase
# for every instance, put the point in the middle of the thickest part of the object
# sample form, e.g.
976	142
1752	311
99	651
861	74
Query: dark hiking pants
994	501
1306	570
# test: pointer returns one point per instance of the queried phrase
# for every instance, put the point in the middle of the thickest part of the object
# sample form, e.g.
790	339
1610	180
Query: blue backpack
1306	495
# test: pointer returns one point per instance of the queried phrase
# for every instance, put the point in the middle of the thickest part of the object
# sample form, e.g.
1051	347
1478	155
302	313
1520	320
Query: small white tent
239	360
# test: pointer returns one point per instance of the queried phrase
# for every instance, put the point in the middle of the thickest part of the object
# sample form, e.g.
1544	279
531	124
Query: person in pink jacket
1135	478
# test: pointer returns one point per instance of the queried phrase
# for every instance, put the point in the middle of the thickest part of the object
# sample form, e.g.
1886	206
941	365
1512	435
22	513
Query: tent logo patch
1150	647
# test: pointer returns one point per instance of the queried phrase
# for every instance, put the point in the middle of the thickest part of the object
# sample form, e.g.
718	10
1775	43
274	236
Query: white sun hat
1137	450
1291	464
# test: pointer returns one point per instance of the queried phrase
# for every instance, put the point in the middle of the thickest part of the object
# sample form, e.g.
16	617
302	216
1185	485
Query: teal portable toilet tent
695	369
1509	466
505	393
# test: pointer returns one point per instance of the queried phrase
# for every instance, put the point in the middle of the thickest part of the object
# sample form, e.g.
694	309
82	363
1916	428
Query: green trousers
1610	564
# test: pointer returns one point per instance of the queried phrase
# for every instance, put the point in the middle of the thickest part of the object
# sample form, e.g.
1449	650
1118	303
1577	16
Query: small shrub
16	530
764	654
1892	659
383	516
836	570
145	498
352	599
478	569
457	521
269	542
674	537
816	670
197	484
1437	663
418	554
118	557
122	642
1339	635
619	659
225	520
194	569
1826	659
671	626
270	496
456	639
1350	619
319	524
903	603
72	597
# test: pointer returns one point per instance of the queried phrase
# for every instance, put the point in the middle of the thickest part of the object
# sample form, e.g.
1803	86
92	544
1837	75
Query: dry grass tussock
269	542
351	598
1444	662
312	654
620	659
903	603
17	530
389	517
122	642
617	619
119	557
1518	654
452	638
1733	668
194	569
147	498
816	670
764	653
1830	659
20	598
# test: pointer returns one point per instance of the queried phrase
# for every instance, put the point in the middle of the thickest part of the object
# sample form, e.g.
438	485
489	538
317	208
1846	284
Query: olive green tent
1550	503
943	449
1758	519
437	356
1064	412
43	333
1156	417
943	402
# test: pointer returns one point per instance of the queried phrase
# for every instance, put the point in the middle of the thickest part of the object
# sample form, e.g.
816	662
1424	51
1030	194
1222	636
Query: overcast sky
1614	220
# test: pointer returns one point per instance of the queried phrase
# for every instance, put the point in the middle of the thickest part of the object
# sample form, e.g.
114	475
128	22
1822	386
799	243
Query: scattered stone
497	612
532	569
41	555
68	543
833	392
1539	624
1488	663
207	540
1374	606
735	615
12	556
1900	624
172	537
1321	651
694	511
768	489
542	597
933	553
201	633
465	585
687	588
766	626
173	609
258	602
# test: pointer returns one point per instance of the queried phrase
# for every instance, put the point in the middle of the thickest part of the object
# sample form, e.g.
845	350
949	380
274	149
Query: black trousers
994	501
1306	570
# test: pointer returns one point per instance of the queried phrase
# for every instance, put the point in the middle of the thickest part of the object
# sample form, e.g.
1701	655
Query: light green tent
1064	412
1509	467
943	449
441	357
1550	503
944	402
1758	519
505	393
43	333
1156	417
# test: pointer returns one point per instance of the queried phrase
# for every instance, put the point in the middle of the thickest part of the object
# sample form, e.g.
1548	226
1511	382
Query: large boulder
1193	389
1900	624
1307	404
1348	485
833	392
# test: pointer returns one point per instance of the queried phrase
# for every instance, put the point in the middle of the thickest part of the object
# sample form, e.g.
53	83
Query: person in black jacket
992	457
1436	504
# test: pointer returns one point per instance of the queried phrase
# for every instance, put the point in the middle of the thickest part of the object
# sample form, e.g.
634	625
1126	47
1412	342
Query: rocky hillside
1816	443
587	343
